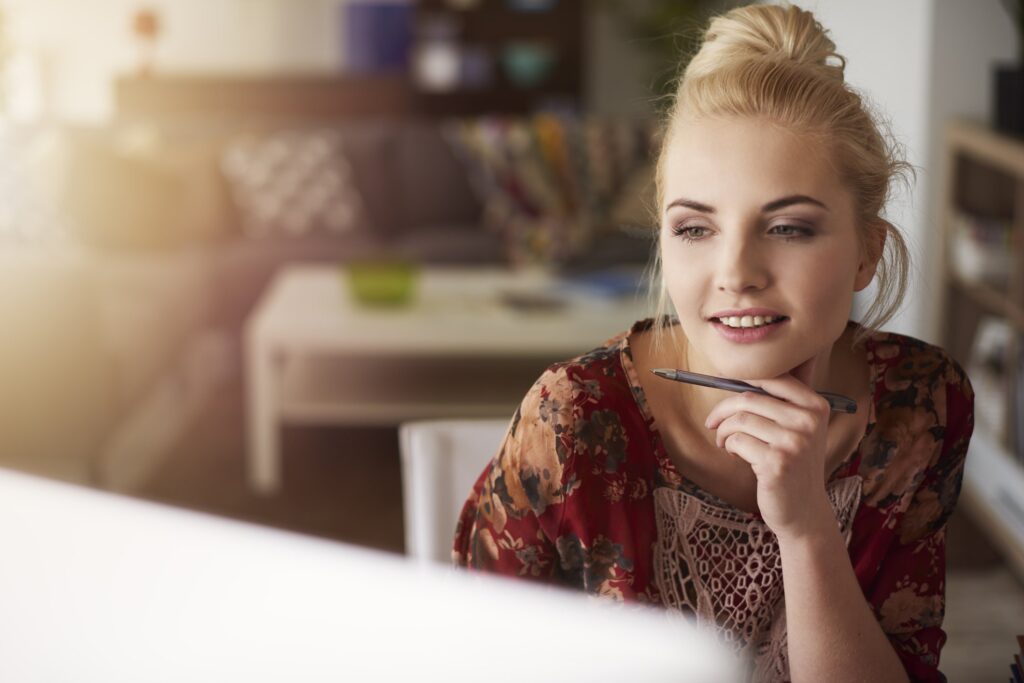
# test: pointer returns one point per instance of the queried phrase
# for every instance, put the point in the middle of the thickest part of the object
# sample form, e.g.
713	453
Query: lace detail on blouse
723	566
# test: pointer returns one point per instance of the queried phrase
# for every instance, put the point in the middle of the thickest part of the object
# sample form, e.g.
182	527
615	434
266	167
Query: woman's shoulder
571	391
916	370
924	419
593	377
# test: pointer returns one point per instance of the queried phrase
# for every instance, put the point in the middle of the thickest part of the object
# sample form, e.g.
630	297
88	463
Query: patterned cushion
548	182
293	182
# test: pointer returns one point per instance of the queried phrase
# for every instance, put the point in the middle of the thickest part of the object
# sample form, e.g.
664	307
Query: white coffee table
315	356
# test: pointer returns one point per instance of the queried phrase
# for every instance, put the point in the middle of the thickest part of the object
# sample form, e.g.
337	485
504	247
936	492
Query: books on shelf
981	248
1017	666
1017	403
996	370
987	370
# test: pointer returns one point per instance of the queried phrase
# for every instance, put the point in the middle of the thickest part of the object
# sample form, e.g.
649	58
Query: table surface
456	311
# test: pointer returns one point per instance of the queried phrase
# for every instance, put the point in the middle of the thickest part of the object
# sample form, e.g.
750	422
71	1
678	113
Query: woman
771	181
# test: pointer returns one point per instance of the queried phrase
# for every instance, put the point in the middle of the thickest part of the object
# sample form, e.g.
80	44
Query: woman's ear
872	254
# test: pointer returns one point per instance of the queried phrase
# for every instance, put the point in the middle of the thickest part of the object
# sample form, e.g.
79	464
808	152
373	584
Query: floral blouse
582	493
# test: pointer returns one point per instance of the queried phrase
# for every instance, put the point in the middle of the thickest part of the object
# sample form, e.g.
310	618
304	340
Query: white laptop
100	587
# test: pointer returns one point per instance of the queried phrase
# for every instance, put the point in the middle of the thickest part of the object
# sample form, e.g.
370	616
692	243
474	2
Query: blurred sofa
147	189
162	242
160	192
86	336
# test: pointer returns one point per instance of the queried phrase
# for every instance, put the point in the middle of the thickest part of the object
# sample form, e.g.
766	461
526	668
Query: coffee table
465	347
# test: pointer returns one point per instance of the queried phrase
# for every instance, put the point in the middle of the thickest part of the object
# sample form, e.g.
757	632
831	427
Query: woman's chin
746	372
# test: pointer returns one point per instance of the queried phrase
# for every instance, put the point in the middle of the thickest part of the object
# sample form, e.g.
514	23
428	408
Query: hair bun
766	32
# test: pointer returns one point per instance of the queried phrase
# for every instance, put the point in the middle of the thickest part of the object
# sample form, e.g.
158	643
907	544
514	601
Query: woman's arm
832	633
509	524
896	632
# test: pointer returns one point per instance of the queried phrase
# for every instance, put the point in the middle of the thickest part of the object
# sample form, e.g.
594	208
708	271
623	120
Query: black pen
838	402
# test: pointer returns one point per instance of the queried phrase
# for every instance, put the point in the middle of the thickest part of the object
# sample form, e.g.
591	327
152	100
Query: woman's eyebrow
770	206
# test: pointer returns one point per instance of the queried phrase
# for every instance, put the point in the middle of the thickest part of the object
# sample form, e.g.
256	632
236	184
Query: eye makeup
797	232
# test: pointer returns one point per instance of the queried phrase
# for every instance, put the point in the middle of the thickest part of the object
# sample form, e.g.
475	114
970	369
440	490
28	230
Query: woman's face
732	236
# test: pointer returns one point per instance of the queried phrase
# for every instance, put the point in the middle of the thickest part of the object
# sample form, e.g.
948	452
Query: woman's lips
748	335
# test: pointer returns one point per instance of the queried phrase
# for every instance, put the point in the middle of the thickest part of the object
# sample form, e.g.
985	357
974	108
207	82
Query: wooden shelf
984	144
299	95
990	299
491	25
993	482
503	100
983	175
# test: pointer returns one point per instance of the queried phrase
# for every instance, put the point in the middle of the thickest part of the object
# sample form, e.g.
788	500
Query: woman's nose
740	267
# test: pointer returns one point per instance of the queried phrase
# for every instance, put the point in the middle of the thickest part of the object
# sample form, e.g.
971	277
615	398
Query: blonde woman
814	541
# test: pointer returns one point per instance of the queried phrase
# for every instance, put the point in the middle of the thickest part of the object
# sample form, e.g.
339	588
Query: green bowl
382	283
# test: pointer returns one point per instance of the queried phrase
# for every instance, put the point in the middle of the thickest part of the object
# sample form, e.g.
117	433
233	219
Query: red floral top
570	497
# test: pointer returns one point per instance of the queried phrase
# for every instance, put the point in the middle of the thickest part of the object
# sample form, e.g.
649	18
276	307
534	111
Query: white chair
441	460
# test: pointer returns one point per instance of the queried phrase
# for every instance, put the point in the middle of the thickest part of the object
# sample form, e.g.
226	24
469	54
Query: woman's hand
783	437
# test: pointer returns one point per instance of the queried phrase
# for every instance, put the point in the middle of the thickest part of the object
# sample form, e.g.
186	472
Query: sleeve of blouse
509	524
909	595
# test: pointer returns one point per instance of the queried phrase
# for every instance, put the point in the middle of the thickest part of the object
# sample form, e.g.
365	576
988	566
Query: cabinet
981	216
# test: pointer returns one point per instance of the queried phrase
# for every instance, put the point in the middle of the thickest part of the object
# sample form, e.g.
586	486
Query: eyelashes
798	233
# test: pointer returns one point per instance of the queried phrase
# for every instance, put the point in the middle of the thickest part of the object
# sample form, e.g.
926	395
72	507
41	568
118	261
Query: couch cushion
409	176
458	244
549	183
433	184
177	194
58	394
371	148
32	160
244	267
150	304
294	181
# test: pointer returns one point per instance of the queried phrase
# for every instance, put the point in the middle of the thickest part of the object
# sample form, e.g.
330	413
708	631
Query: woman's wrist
819	523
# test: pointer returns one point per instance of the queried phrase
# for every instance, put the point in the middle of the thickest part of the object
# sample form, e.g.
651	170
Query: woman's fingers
795	386
745	446
758	404
792	391
757	426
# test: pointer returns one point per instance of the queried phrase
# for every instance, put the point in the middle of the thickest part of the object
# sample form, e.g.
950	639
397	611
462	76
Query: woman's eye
797	231
789	232
684	232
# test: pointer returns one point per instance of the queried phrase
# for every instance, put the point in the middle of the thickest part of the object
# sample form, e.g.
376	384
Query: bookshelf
494	30
981	216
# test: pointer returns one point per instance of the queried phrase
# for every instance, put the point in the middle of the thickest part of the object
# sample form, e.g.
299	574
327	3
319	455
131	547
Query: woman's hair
770	62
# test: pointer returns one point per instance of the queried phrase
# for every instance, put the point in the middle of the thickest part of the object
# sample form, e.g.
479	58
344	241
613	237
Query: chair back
441	460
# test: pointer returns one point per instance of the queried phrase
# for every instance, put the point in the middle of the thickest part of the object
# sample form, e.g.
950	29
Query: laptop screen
100	587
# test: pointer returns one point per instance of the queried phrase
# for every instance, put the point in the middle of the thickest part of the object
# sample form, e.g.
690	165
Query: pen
837	402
